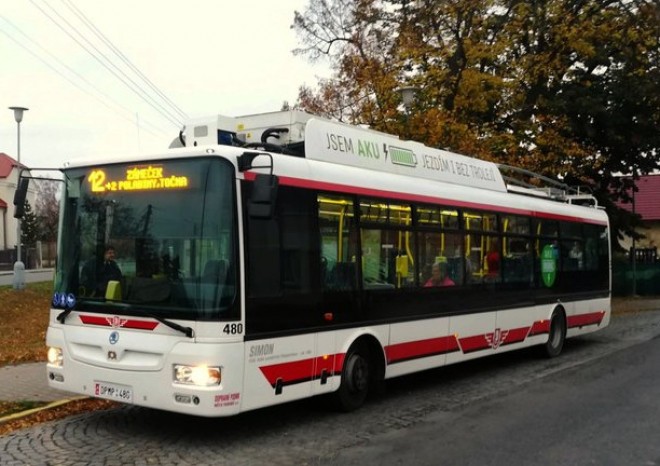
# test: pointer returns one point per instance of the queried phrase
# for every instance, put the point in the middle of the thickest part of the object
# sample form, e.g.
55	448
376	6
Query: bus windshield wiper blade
62	316
187	331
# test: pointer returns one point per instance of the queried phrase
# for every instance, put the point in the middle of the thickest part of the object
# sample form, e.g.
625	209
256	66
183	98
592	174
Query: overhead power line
86	91
127	81
121	56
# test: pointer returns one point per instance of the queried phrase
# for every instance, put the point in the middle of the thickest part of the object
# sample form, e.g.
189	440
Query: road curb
54	404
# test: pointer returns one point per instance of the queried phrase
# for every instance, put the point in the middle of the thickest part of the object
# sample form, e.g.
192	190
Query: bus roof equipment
297	133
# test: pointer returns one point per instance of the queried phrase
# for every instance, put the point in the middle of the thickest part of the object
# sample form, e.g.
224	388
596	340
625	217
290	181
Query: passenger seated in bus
493	261
439	276
576	254
170	267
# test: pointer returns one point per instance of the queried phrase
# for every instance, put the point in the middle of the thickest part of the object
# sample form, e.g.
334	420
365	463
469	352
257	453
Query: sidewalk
28	382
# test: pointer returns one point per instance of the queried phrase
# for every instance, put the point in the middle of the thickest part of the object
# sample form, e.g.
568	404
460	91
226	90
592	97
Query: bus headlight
55	356
203	376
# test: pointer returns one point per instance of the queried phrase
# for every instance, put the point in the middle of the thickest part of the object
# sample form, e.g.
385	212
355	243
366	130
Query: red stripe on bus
420	349
515	335
304	370
332	364
336	187
117	323
494	339
592	318
540	327
474	343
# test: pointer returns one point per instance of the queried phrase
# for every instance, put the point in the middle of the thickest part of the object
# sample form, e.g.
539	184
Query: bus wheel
557	336
355	379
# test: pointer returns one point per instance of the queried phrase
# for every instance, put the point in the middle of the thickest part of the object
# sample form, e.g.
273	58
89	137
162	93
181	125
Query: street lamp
19	267
408	95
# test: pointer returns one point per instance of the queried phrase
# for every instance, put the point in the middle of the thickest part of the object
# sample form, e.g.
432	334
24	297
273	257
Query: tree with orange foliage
566	88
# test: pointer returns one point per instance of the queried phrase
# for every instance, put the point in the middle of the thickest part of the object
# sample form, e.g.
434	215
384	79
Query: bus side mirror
19	197
264	195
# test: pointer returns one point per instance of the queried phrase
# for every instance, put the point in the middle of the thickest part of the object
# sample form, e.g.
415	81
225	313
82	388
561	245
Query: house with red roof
647	205
9	170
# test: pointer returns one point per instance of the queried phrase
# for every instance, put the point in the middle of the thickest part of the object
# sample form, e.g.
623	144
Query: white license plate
113	391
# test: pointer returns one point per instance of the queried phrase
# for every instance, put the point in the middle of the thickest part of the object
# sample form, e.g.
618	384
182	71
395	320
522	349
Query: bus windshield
156	237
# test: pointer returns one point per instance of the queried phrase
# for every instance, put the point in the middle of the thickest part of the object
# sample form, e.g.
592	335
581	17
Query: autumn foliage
24	315
23	339
566	88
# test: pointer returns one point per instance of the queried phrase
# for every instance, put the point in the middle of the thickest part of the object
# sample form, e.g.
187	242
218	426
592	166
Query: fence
645	276
644	255
41	256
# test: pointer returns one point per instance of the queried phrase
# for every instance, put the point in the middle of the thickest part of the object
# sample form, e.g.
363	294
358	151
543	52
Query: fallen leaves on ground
58	412
24	315
11	407
628	305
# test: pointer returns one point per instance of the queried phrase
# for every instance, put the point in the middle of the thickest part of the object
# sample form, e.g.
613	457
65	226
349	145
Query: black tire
557	335
356	379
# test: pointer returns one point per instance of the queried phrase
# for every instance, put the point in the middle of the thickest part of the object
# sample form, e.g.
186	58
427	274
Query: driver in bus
439	276
96	277
108	271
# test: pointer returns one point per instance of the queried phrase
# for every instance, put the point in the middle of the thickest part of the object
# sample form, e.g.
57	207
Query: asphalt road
596	404
31	276
606	412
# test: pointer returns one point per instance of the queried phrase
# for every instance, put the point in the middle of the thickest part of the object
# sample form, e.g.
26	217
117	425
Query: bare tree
47	209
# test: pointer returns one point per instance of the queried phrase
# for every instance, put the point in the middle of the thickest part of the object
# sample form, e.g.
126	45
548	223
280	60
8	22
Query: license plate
113	391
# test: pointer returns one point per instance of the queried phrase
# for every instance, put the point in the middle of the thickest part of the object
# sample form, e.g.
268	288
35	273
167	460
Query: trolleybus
281	256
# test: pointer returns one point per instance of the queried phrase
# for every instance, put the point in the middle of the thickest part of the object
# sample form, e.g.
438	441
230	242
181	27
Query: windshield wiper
62	316
187	331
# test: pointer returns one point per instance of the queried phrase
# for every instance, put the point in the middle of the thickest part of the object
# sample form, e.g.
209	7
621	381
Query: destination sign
136	178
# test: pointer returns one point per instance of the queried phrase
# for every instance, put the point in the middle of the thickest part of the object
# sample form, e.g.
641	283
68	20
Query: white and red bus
321	259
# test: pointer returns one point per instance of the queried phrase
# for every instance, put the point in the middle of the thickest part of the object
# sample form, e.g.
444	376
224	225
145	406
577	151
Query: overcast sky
206	56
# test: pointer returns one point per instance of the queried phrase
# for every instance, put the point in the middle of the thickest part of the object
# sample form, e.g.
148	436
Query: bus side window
454	251
299	245
492	259
264	277
517	263
338	242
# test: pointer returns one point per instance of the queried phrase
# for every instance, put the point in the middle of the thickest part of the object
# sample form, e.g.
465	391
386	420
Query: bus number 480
233	329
